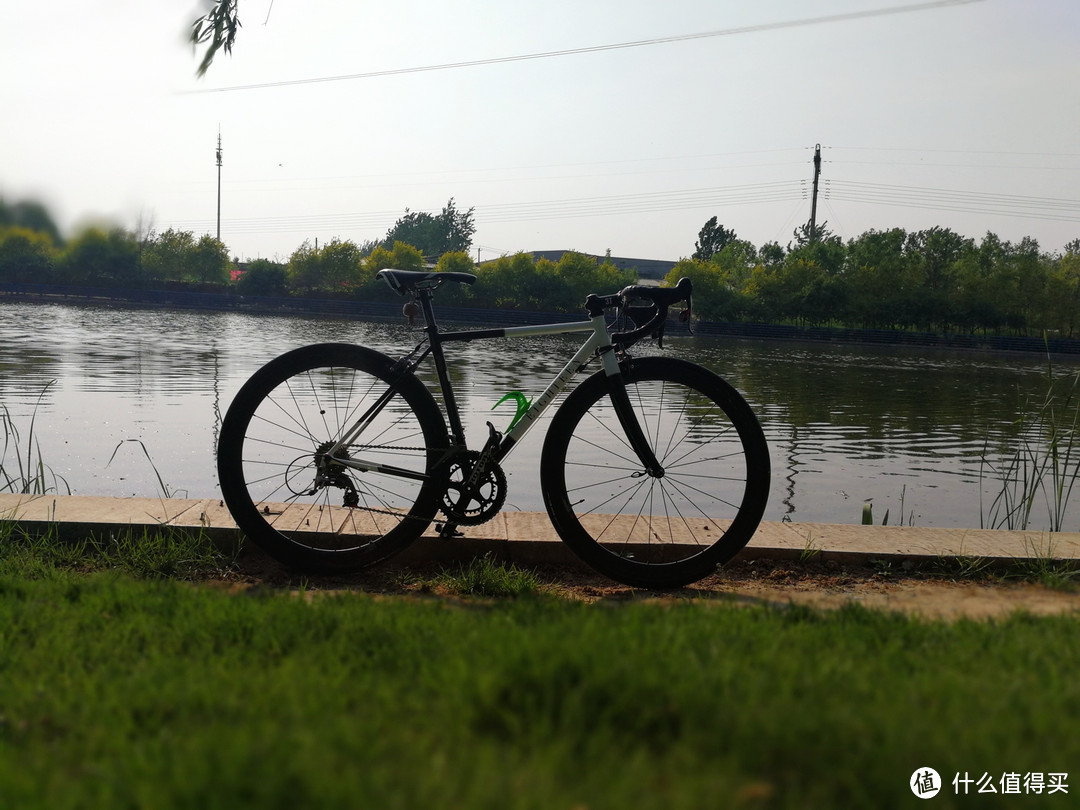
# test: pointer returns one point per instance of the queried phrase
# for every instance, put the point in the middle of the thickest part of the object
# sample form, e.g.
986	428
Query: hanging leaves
216	29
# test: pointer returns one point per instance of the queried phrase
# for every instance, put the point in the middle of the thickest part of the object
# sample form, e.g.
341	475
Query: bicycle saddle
407	281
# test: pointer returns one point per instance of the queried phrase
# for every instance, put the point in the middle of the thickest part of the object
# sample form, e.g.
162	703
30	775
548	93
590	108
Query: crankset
471	506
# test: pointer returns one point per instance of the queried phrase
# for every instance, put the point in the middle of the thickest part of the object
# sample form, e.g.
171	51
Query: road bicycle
654	471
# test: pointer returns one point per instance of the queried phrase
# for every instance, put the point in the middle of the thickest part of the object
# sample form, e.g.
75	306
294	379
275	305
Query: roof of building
646	268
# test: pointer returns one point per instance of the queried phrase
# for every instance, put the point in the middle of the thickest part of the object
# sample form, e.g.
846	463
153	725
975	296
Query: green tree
434	234
209	262
342	266
711	240
99	257
882	286
713	294
25	255
1027	266
303	268
805	235
1012	279
1062	308
985	292
578	274
458	261
31	215
263	277
737	259
336	267
403	256
519	282
772	254
934	254
165	256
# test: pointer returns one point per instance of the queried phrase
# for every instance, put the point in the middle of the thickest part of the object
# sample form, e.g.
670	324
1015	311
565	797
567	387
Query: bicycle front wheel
656	530
303	496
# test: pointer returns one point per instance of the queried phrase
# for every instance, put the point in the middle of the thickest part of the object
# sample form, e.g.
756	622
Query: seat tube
435	341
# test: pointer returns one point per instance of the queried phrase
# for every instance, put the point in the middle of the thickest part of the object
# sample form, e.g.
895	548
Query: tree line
931	280
31	250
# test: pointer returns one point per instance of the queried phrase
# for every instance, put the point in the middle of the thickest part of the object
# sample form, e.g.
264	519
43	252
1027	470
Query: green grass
481	576
118	691
1038	568
160	554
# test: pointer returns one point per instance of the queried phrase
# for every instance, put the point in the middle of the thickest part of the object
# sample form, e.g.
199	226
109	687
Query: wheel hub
330	472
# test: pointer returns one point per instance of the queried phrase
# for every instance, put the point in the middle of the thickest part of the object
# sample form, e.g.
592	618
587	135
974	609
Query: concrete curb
527	538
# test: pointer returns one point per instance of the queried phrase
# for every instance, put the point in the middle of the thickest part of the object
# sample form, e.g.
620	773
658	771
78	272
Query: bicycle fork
635	434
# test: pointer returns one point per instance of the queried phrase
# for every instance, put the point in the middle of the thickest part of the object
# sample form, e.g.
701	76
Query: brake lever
686	316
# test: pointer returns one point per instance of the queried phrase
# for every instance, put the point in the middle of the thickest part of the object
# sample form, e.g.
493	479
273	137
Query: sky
335	116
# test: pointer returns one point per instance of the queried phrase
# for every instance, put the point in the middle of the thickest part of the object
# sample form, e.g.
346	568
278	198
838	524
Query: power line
608	205
981	167
499	60
971	202
955	151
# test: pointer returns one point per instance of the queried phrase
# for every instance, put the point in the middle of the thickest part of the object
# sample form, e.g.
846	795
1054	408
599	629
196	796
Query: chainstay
371	509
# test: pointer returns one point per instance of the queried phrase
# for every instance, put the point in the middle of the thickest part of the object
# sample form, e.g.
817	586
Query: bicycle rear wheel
324	513
661	531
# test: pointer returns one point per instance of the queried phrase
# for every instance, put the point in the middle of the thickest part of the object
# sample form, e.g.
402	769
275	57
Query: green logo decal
522	402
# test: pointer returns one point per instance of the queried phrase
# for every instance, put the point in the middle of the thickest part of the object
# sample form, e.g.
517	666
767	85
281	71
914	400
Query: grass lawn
126	689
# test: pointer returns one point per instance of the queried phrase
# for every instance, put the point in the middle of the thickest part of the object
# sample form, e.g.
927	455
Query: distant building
654	269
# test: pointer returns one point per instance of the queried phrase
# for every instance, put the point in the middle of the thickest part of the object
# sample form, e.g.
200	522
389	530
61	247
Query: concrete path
528	538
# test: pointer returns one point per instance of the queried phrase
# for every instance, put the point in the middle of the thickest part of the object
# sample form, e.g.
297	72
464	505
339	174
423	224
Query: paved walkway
527	537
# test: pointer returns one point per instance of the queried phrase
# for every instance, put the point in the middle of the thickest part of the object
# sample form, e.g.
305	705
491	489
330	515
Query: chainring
480	506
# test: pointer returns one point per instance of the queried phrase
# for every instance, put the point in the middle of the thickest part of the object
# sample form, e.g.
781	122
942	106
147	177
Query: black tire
666	531
290	412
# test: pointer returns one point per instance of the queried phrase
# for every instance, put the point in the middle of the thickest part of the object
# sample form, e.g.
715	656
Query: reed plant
1038	473
22	469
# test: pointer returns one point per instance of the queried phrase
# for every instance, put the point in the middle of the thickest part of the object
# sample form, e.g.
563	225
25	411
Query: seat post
457	431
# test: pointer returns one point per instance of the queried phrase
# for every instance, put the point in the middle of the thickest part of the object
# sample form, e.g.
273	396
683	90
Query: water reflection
844	424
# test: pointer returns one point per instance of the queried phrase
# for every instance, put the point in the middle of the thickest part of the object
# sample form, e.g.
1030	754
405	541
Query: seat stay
364	420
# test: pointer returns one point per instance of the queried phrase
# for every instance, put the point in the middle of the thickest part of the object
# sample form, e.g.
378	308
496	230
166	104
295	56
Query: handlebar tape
661	298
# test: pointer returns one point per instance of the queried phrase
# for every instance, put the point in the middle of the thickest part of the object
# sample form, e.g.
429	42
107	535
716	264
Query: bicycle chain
487	508
372	509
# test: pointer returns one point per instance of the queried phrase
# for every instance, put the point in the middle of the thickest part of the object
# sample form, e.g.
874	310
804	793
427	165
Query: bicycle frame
499	446
598	343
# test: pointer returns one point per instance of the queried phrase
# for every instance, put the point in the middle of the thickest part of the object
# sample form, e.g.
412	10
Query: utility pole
219	184
813	201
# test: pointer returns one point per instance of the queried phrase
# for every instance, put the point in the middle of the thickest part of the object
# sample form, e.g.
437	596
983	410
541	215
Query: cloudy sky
337	115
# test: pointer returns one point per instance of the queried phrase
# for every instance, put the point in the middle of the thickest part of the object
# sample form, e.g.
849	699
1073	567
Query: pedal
448	530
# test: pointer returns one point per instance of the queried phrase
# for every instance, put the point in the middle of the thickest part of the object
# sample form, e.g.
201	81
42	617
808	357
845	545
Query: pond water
128	402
